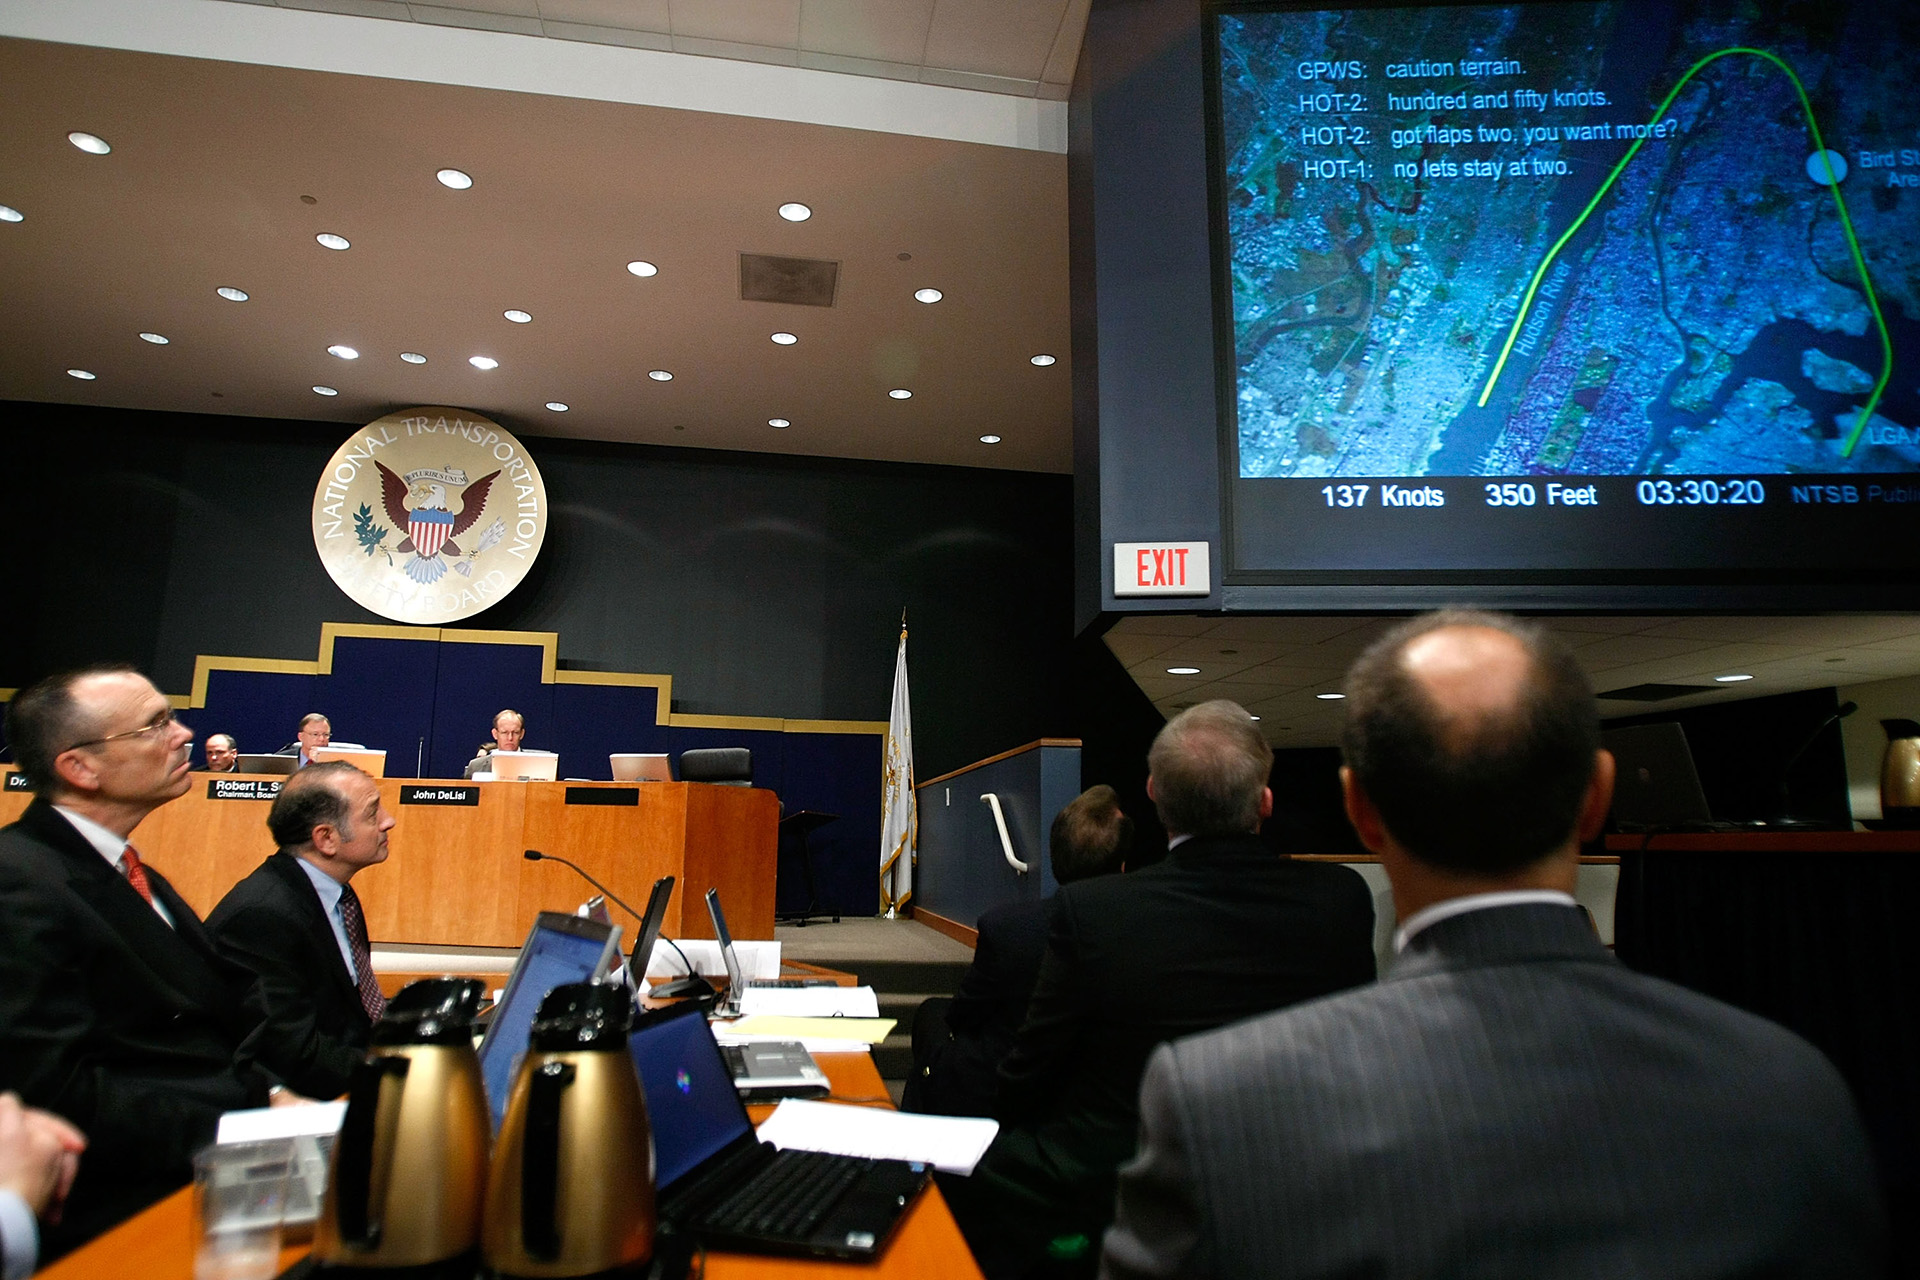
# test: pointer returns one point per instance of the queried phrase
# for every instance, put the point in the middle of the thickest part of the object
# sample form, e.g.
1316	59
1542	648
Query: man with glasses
116	1011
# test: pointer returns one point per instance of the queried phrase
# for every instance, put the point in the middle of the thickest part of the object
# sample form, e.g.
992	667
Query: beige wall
1865	740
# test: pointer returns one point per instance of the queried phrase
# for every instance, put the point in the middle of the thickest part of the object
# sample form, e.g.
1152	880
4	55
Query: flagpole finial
903	622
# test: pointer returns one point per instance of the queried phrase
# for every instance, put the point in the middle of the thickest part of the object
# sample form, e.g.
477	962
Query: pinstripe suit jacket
1511	1102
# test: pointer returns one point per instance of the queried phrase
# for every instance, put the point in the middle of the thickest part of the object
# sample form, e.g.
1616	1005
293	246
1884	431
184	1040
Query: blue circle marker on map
1820	163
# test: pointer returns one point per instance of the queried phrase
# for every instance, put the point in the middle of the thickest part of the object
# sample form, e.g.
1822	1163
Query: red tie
136	874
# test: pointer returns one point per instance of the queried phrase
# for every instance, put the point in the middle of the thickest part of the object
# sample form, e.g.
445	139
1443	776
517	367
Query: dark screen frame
1587	587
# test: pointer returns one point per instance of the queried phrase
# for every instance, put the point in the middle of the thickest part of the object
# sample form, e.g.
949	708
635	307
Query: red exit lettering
1161	568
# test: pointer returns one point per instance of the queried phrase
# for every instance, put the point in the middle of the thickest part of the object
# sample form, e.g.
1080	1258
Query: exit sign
1161	569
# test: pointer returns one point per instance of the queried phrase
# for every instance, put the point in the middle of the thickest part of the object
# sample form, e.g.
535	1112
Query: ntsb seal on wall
429	515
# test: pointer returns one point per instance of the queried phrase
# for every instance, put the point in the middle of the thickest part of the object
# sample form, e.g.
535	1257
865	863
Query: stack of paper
811	1002
952	1144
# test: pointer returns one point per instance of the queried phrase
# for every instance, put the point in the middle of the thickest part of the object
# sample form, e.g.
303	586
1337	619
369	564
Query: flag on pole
899	807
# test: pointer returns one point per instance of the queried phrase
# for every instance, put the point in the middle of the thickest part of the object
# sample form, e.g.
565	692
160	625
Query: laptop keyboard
789	1197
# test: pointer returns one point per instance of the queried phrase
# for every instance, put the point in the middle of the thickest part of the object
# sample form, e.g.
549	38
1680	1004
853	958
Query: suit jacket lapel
178	959
313	918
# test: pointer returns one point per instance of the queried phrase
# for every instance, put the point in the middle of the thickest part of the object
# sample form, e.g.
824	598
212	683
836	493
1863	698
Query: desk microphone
684	985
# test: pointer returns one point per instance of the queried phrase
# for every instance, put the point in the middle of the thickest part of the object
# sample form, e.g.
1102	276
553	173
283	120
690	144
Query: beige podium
456	875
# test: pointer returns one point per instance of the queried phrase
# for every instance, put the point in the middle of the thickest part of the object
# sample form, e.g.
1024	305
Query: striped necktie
356	924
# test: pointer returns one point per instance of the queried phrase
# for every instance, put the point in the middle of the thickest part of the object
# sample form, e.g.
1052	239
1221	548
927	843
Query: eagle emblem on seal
420	502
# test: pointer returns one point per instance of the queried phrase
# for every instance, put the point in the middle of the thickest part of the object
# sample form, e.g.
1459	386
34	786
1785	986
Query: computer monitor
560	949
649	930
736	984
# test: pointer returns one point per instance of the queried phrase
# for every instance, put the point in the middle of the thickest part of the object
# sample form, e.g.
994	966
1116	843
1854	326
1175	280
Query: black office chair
726	766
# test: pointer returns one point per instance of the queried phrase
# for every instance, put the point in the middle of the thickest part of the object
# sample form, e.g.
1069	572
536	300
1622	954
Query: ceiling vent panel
800	282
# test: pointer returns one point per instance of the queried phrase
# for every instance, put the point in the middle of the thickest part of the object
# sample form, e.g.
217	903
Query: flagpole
899	819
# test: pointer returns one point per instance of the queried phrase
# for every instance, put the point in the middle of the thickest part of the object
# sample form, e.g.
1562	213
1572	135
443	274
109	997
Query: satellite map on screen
1614	239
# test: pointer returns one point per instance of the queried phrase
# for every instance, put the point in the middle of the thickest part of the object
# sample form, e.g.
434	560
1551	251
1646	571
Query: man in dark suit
509	730
1224	928
116	1012
296	922
315	732
1510	1100
958	1043
223	753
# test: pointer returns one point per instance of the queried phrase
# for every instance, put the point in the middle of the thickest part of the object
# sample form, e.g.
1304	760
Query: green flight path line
1846	225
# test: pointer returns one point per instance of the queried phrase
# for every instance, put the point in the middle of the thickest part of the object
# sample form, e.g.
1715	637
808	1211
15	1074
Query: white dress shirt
1473	902
19	1237
331	891
112	847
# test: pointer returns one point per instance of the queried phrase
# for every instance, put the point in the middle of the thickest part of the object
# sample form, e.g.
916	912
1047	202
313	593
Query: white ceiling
1273	666
1023	47
224	169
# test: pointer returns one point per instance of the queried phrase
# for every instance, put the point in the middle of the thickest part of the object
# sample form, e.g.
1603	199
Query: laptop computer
1656	786
279	764
640	766
560	949
765	1070
719	1184
525	766
729	1007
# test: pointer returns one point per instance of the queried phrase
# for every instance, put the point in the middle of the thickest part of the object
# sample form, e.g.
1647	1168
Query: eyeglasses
159	724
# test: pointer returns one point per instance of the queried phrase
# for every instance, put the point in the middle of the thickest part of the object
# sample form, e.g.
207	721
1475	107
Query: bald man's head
1474	736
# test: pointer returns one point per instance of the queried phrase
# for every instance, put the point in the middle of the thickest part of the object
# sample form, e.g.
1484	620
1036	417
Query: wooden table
455	875
158	1244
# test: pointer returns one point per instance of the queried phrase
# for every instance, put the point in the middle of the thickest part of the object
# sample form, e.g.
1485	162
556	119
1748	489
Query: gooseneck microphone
1838	714
680	987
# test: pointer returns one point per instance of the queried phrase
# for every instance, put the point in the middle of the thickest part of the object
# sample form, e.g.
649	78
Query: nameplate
242	789
18	782
628	796
469	796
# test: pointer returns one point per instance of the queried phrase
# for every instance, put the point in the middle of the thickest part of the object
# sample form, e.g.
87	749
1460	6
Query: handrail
1006	842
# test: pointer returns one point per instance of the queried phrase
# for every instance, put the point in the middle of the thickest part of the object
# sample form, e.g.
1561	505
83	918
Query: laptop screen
691	1102
560	949
649	932
736	985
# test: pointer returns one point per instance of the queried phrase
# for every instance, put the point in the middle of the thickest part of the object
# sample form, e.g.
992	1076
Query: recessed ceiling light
794	212
454	178
785	339
901	393
557	406
1735	678
928	295
778	422
81	374
157	339
1043	360
483	362
329	240
343	351
643	268
10	214
1329	697
660	375
231	294
413	357
87	142
1183	671
1252	716
989	439
518	316
325	391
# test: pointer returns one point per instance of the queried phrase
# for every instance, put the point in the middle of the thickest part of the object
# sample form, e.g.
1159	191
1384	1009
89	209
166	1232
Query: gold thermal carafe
410	1166
1900	774
571	1191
